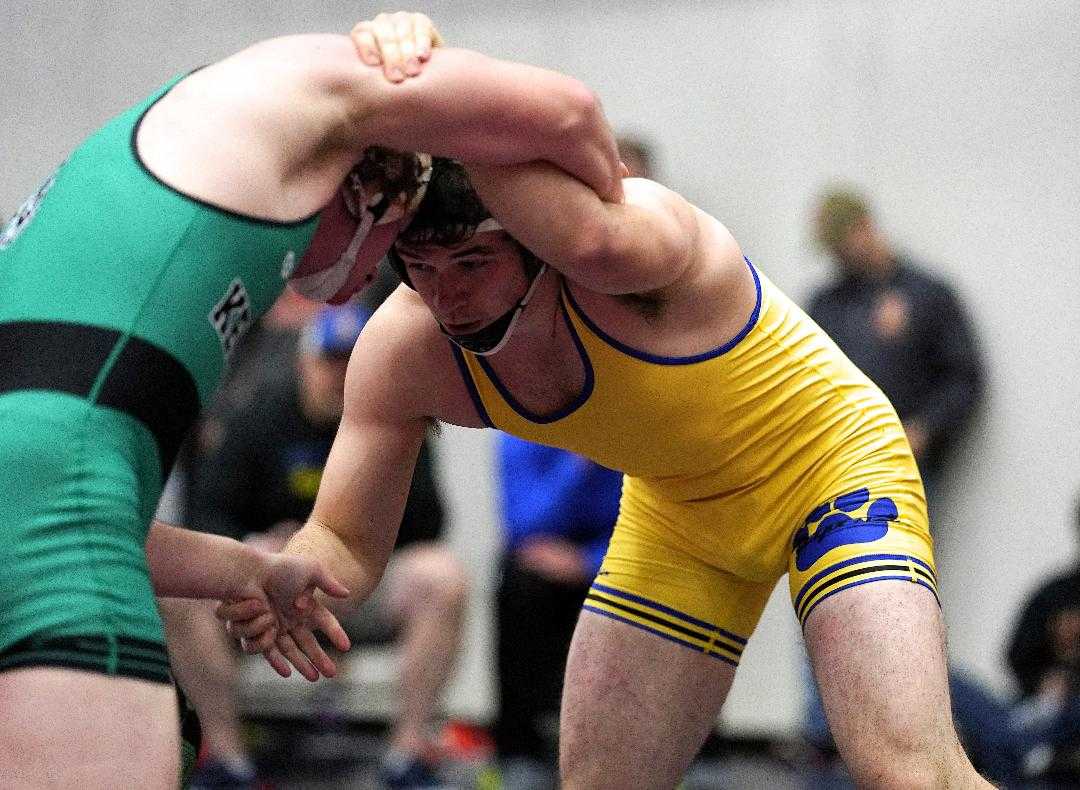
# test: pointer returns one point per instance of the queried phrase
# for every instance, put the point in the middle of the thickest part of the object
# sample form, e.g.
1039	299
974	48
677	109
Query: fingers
312	650
325	621
253	629
295	656
277	661
386	35
404	28
423	32
401	43
363	37
434	35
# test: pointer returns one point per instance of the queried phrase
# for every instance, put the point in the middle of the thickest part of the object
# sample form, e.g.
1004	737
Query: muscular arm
365	483
479	109
274	129
641	244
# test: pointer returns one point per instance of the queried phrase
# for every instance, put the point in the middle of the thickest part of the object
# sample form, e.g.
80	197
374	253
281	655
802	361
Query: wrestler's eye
472	264
417	267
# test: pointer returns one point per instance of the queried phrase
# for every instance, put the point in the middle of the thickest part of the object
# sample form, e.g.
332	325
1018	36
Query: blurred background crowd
911	175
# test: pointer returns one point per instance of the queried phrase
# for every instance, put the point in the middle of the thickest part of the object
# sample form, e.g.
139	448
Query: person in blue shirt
557	510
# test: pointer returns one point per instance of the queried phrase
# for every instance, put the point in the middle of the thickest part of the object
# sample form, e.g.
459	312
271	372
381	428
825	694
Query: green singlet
120	299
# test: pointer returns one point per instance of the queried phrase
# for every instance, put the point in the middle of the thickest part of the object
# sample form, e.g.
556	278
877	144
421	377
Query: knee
441	581
900	764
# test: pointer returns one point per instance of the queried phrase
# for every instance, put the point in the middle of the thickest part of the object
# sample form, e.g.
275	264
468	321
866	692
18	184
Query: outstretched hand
401	43
278	614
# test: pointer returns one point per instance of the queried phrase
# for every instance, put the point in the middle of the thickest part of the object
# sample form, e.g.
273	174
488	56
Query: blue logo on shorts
835	527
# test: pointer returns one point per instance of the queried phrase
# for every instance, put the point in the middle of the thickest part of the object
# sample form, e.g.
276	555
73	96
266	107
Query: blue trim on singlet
831	593
659	633
470	385
574	405
661	360
199	201
853	561
668	611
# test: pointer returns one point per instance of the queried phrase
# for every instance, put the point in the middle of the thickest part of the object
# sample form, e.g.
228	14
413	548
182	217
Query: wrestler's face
470	284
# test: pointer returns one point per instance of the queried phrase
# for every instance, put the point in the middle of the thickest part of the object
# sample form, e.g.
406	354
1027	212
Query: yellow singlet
772	453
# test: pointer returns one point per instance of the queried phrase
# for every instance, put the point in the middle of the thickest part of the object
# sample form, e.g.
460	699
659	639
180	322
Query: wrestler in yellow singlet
772	453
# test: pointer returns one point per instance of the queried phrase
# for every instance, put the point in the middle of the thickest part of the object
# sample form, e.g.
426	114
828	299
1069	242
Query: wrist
252	567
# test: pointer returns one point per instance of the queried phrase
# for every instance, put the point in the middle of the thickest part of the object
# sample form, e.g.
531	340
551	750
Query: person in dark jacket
903	326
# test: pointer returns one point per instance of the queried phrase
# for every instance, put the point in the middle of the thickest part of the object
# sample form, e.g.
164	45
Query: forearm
188	564
634	246
478	109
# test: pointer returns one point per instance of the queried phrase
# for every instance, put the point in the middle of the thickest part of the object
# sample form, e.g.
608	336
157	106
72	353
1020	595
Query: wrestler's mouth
464	327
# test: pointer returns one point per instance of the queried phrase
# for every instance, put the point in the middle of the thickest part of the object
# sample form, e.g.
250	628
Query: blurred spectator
1044	655
256	480
558	511
904	328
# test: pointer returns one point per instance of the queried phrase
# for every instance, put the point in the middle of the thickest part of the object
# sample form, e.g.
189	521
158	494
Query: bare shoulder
237	132
703	307
404	364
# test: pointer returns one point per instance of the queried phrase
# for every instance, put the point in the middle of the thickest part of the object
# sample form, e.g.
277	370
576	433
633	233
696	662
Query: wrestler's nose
451	291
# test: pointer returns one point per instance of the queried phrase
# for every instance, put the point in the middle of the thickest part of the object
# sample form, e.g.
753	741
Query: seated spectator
558	510
256	480
1044	655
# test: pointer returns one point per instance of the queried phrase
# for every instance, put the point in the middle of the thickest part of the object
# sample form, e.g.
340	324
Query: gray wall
960	116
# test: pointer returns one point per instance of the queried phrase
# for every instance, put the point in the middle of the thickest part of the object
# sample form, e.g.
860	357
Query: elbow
580	115
592	248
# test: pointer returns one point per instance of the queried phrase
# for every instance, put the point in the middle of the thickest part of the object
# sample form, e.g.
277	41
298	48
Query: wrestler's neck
541	328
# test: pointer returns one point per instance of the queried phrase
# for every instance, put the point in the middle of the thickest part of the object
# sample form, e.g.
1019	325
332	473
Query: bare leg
636	708
878	653
206	669
428	593
62	728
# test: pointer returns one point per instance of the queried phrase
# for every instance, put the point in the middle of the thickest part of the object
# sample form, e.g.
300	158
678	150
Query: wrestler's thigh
878	654
636	707
65	728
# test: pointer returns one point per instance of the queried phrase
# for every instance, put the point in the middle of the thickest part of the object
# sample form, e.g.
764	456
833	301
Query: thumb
329	585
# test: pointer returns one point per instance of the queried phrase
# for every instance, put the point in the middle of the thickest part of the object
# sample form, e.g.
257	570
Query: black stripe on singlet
121	656
144	381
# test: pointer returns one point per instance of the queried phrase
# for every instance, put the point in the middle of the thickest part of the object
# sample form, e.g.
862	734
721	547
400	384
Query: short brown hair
839	209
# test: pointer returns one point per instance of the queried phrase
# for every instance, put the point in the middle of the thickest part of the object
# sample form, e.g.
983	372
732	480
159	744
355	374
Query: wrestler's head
359	224
473	275
845	228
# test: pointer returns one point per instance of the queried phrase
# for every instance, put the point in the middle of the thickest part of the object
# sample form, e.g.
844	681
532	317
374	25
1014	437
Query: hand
401	43
555	559
277	615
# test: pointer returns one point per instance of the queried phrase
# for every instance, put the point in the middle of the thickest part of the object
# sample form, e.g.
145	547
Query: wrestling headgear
357	227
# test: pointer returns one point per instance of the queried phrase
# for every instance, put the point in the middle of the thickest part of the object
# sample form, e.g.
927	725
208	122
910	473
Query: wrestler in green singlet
120	299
